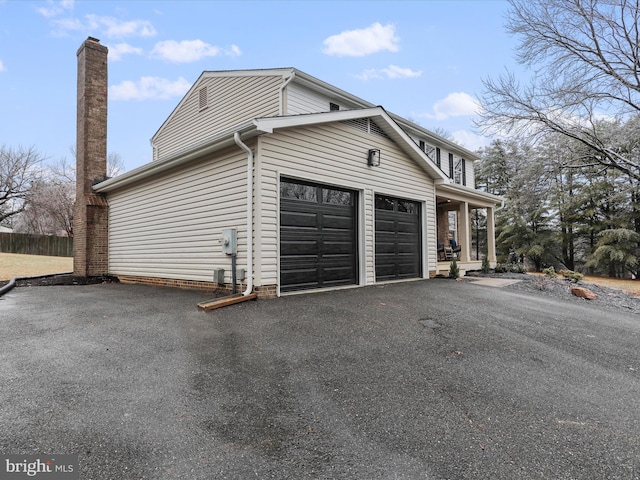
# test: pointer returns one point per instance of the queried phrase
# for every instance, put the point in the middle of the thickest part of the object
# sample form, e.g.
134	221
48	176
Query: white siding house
323	189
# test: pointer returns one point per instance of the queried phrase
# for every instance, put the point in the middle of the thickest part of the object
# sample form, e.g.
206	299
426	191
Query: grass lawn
630	286
17	265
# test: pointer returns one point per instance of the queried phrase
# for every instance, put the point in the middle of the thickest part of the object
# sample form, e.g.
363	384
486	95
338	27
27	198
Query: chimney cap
93	39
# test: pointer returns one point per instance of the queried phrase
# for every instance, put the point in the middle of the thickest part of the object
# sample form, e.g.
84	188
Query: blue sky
424	60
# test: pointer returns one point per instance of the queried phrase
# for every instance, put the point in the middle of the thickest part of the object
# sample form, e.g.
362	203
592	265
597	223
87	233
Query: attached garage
318	236
398	239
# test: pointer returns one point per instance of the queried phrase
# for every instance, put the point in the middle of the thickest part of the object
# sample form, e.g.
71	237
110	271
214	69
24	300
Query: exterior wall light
373	159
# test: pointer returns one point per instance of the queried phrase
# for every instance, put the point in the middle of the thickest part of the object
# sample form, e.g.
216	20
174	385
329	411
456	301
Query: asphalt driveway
431	379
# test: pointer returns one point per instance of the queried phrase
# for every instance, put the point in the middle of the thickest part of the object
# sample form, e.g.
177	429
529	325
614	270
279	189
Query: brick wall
268	291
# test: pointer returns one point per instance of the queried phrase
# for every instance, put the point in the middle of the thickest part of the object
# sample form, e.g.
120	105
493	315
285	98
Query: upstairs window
429	150
333	107
459	170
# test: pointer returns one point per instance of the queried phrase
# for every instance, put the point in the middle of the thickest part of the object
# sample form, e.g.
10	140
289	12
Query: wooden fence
36	244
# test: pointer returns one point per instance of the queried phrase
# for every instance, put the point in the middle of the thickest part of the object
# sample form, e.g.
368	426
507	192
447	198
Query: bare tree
115	165
19	170
585	63
48	206
49	202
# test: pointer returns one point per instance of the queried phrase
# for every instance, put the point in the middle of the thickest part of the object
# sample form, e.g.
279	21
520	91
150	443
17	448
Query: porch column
491	235
465	233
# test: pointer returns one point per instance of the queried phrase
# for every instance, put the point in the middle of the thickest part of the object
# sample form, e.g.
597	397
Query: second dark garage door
398	238
318	236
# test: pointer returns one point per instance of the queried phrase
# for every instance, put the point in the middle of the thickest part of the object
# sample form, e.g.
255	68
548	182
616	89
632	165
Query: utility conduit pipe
236	138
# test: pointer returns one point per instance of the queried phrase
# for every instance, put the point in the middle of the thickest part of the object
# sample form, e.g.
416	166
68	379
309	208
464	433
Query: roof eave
213	144
389	125
465	193
403	122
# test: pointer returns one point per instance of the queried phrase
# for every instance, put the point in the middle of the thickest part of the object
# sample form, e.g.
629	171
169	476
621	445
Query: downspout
236	138
284	85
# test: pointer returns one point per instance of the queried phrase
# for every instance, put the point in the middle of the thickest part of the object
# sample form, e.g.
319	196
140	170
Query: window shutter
438	161
464	173
451	165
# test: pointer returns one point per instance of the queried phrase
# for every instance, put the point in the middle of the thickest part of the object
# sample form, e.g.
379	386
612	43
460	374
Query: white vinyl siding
471	178
230	101
304	100
169	226
336	154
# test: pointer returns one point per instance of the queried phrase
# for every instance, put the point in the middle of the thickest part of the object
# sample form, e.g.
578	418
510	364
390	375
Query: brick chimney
90	249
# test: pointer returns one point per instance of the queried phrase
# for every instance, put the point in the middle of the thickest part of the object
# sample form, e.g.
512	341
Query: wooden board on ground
225	301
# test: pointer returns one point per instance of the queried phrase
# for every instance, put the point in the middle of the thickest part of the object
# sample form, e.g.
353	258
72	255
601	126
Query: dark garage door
398	239
318	245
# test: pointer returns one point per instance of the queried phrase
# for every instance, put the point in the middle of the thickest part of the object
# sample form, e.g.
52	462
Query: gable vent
376	130
203	98
366	125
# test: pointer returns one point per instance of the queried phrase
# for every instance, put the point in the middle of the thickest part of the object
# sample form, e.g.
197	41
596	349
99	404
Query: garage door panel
298	271
292	218
409	228
385	248
337	248
398	238
298	248
406	249
337	274
385	225
317	236
385	269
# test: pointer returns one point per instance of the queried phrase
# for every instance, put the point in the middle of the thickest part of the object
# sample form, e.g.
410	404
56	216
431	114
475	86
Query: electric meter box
229	241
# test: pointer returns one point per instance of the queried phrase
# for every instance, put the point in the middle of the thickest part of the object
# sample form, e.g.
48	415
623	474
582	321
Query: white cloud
456	104
149	88
116	52
52	9
358	43
108	26
470	140
190	51
2	67
112	27
391	72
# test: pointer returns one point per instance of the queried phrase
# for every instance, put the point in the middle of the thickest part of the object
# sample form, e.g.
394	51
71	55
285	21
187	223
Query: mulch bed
61	280
561	289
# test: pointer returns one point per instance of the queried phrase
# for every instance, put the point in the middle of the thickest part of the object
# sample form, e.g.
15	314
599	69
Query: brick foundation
268	291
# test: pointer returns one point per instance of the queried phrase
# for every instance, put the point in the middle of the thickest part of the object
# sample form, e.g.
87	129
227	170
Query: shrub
571	275
518	268
486	266
511	267
501	268
454	270
550	272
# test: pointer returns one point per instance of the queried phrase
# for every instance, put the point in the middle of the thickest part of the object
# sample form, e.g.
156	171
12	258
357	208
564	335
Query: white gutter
284	85
236	138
